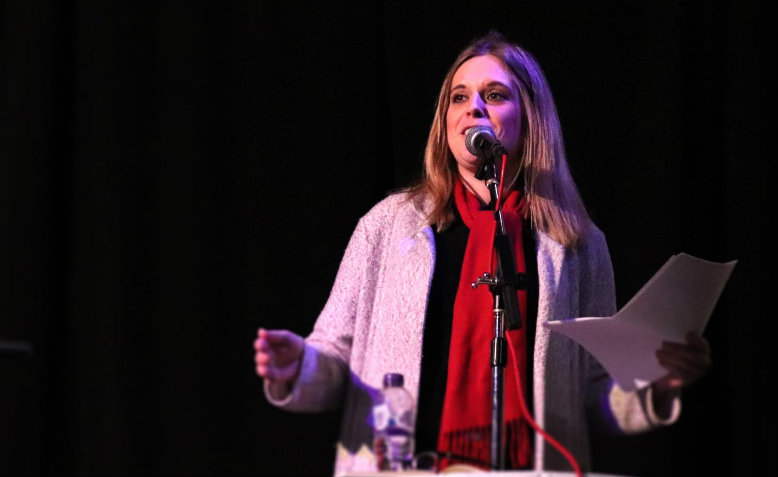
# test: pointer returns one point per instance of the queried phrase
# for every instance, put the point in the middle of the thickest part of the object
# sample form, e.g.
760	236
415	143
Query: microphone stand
503	287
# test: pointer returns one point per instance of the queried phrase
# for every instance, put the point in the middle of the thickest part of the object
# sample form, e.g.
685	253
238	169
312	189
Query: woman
402	300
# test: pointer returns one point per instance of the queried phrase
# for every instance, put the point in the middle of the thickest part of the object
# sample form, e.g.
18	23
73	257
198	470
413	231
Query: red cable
502	181
522	403
497	207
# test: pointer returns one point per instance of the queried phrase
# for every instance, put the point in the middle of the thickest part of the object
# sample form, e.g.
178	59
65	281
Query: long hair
555	206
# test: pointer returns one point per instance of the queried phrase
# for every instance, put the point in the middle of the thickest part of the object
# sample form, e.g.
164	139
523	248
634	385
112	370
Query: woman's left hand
684	362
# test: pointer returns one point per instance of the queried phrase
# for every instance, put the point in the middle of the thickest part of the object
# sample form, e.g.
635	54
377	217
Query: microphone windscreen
473	133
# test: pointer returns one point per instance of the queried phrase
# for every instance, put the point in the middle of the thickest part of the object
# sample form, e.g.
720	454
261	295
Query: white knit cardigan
373	323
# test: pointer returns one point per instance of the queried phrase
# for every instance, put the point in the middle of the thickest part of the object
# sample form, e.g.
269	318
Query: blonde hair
555	206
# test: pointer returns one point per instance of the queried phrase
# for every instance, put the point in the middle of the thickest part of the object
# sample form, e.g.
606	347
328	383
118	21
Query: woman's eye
496	96
457	98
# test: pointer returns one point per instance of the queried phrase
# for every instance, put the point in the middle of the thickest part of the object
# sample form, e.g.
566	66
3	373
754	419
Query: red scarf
465	428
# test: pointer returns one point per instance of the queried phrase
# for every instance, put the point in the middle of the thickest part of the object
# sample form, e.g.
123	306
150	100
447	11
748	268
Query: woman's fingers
282	373
697	342
277	354
278	373
686	362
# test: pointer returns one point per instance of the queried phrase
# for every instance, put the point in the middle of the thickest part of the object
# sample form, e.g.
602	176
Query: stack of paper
679	298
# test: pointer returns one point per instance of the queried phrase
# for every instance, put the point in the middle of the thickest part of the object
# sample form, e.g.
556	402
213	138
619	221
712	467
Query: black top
449	253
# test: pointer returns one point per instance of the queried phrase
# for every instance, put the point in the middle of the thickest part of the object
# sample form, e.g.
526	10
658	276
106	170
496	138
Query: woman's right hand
278	355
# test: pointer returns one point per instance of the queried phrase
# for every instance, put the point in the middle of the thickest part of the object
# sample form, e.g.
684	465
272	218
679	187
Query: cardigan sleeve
325	363
611	410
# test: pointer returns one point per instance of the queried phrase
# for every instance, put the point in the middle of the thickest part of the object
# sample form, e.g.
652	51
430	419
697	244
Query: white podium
455	471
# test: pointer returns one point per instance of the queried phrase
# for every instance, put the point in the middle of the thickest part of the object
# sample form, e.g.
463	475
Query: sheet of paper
679	298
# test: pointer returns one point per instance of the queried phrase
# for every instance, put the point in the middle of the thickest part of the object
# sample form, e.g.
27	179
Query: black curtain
174	175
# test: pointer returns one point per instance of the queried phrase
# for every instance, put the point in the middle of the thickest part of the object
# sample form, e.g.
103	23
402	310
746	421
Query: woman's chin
468	166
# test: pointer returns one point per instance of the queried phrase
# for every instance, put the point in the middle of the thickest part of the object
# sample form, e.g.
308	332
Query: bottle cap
393	380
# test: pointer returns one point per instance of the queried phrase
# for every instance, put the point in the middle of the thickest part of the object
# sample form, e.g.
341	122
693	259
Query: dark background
175	174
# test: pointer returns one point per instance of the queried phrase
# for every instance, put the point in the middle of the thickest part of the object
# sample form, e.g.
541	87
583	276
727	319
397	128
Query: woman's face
482	93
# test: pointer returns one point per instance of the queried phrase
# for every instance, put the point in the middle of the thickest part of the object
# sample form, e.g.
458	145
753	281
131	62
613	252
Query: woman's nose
477	107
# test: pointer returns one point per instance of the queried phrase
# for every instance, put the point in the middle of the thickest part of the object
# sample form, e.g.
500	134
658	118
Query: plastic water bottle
394	417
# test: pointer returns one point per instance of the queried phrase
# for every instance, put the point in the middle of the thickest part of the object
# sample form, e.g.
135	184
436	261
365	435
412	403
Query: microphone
481	142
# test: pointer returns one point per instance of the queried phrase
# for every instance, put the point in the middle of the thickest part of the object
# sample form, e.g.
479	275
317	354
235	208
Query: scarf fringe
473	446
